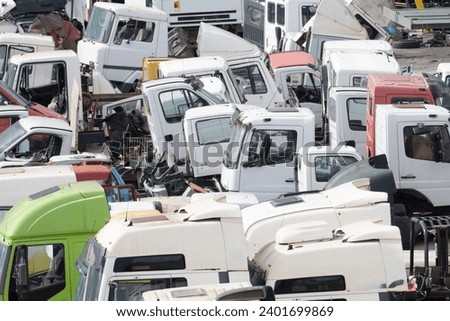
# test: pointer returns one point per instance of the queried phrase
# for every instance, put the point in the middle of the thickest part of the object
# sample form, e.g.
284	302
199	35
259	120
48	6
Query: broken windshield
100	25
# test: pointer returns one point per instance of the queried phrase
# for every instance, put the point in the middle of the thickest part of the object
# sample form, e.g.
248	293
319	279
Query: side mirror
22	274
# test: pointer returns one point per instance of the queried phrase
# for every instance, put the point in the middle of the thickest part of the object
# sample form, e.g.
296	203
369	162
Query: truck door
347	121
268	167
133	39
173	104
129	288
424	160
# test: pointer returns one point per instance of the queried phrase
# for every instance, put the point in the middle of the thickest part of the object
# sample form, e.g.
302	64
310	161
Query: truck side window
273	146
134	30
44	144
44	273
214	130
427	143
356	113
175	103
125	30
250	80
310	284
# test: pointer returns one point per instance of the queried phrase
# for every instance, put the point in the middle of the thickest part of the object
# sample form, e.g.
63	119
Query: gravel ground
424	59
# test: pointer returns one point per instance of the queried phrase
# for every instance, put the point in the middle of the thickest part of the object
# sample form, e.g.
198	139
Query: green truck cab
42	236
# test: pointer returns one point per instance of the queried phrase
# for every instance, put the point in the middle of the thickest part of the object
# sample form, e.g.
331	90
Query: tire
407	43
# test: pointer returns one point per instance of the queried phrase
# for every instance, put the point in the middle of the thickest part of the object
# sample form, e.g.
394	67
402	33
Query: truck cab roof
199	220
360	45
191	66
368	62
32	122
32	39
32	216
396	80
292	59
44	56
143	12
398	110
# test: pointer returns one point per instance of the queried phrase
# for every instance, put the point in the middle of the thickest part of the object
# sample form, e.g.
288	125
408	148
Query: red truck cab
393	89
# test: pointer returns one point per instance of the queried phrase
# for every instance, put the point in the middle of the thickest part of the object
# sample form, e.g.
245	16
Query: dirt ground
422	59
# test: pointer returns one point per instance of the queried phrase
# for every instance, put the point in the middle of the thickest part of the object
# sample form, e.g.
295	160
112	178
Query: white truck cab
317	164
346	117
36	134
297	74
302	262
116	31
360	45
351	68
260	156
52	79
202	244
247	62
416	141
165	103
207	132
347	203
214	66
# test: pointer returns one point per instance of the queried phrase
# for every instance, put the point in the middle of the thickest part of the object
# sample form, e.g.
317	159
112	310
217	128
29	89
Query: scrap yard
240	150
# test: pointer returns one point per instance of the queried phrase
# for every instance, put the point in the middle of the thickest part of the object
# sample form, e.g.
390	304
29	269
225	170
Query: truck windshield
4	253
234	147
90	267
10	135
100	25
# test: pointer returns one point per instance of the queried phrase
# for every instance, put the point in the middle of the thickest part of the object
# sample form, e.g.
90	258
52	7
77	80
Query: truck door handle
290	180
409	176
